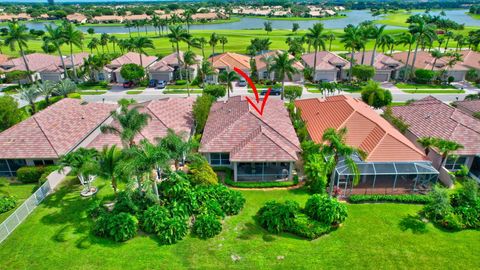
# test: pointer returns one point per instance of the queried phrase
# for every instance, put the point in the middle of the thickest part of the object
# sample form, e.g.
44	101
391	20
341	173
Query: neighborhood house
329	67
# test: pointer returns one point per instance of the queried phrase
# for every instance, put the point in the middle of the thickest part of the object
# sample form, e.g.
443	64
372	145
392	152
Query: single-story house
36	62
430	117
51	133
470	107
386	68
165	69
390	164
263	74
330	67
76	18
257	147
210	16
228	61
129	58
107	19
167	113
471	59
425	61
55	71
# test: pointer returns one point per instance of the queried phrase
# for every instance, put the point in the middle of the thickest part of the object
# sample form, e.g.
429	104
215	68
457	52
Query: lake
353	17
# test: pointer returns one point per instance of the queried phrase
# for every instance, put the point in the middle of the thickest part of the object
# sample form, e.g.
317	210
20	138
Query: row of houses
265	147
80	18
279	11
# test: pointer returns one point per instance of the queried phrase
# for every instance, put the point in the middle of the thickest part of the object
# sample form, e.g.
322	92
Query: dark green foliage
466	204
309	147
404	198
30	174
181	82
215	90
201	109
326	209
452	222
201	173
424	75
230	201
439	205
173	230
317	171
269	184
363	72
154	219
178	195
293	92
206	226
308	228
375	96
277	217
7	203
10	114
132	72
133	202
118	227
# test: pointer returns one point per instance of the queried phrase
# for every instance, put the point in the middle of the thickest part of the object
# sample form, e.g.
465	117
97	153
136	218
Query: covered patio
262	171
384	177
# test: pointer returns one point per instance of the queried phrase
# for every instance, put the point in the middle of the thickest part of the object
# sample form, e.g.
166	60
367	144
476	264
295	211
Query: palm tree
283	66
426	143
377	34
178	34
72	37
83	162
65	87
336	148
448	35
93	64
176	146
228	78
445	147
128	25
436	54
109	162
460	39
423	32
104	38
386	41
189	59
187	18
407	39
140	44
330	38
205	70
17	34
352	39
268	60
131	122
202	42
29	94
93	44
223	40
46	88
55	37
213	42
317	38
113	39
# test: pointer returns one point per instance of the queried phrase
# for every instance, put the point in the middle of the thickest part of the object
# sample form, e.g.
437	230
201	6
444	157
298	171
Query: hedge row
404	198
229	181
34	174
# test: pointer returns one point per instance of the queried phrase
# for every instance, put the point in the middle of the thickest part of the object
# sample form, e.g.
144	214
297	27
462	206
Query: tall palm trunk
405	76
351	66
314	65
71	59
414	57
179	62
373	53
30	77
330	45
129	32
283	87
63	62
188	80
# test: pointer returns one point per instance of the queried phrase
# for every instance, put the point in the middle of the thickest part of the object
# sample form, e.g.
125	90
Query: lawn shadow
413	223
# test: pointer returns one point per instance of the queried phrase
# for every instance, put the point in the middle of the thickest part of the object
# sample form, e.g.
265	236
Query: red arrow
255	91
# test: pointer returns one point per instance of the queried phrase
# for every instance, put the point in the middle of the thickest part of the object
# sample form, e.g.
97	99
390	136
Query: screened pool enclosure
384	177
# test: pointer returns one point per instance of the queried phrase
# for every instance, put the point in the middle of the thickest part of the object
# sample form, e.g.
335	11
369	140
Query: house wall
161	76
382	75
325	75
50	76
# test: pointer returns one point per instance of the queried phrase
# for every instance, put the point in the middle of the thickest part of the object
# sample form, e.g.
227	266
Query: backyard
383	236
20	191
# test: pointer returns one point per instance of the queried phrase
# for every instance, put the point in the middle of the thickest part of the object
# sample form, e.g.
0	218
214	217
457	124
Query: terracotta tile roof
36	62
104	18
325	60
174	113
236	128
132	58
425	61
78	59
168	62
468	106
261	64
471	59
366	129
54	131
230	60
137	17
76	17
3	58
381	61
430	117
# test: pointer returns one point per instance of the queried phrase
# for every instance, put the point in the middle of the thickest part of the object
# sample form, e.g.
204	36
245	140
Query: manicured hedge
308	228
405	198
34	174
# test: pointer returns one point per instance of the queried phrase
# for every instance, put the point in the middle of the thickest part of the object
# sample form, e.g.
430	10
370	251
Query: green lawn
182	87
440	91
93	87
423	86
181	91
19	191
57	236
134	92
94	92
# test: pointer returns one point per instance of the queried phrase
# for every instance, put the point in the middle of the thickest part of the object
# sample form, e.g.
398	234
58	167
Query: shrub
132	72
180	82
215	90
363	72
230	201
452	222
154	218
173	230
325	209
9	111
201	109
47	171
439	205
30	174
316	171
133	202
206	226
277	217
293	92
375	96
424	75
472	75
118	227
405	198
201	173
7	203
308	228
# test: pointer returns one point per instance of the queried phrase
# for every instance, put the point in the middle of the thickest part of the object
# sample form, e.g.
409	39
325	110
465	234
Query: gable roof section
174	113
132	58
261	64
236	128
468	106
381	61
36	62
230	60
430	117
325	60
54	131
365	128
425	61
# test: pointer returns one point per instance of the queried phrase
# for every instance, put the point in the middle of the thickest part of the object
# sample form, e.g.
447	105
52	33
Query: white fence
27	207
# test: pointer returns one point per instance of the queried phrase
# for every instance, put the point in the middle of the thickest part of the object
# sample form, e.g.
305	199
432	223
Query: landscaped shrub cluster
34	174
457	211
180	82
201	172
320	215
404	198
424	75
182	201
7	203
215	90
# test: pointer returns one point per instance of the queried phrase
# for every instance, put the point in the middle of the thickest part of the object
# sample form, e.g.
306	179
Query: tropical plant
426	143
201	173
223	40
118	227
375	96
228	78
363	72
173	230
376	33
189	59
268	27
83	163
109	164
72	37
140	44
177	146
17	34
10	114
292	92
29	94
206	226
201	109
65	87
424	32
93	45
317	38
317	170
283	66
56	38
178	34
132	72
325	209
436	54
277	217
47	89
407	39
353	40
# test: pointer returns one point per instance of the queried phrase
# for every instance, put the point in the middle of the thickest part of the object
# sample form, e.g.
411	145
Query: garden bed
182	87
411	86
179	91
92	93
134	92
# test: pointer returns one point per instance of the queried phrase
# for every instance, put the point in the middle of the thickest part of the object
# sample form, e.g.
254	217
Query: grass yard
182	87
439	91
181	91
57	236
19	191
92	93
134	92
93	87
423	86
